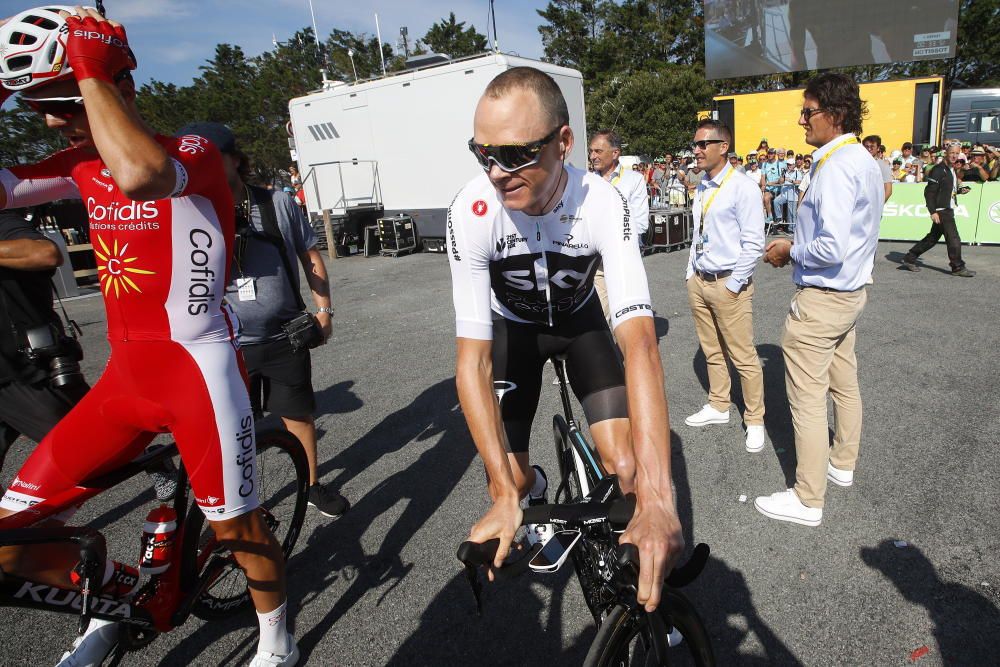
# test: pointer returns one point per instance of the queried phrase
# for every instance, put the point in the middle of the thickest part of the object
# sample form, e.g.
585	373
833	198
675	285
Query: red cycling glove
96	49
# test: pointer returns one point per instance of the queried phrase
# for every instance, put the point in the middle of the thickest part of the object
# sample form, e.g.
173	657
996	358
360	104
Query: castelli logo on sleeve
479	207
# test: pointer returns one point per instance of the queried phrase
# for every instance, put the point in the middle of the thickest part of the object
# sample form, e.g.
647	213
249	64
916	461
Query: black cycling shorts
593	364
280	379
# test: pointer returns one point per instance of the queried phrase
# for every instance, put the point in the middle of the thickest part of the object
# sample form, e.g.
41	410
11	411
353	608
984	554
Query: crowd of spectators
783	174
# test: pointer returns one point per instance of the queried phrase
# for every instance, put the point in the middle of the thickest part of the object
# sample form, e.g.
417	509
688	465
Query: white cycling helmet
33	48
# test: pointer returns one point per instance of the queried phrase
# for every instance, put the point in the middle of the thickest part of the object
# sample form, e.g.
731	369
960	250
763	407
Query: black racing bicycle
203	578
590	512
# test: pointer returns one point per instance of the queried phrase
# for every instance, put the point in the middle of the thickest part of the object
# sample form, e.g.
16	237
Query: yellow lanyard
708	204
849	140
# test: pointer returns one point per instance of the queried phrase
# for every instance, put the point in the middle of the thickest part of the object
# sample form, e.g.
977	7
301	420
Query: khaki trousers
818	346
724	323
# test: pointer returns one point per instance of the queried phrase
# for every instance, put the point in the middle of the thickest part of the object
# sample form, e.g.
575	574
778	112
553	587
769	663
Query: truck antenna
496	41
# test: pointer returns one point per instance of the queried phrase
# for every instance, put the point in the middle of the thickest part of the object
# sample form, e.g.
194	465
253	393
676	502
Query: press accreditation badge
246	289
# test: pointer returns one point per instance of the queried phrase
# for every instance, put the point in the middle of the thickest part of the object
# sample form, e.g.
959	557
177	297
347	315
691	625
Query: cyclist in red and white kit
162	225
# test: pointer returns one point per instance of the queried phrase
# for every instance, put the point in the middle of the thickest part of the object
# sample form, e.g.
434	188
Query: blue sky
172	38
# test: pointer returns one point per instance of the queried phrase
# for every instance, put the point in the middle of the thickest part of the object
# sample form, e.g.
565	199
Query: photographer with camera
276	331
40	378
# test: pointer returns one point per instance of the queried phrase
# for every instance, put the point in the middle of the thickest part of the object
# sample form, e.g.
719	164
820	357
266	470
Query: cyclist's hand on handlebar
501	522
656	531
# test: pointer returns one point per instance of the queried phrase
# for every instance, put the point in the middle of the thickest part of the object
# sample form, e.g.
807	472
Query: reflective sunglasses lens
59	108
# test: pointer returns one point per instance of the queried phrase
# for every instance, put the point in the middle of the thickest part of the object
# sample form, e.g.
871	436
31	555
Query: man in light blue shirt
773	170
833	252
728	241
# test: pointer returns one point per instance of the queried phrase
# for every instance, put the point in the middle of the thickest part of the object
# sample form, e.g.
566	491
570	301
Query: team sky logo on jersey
115	272
479	207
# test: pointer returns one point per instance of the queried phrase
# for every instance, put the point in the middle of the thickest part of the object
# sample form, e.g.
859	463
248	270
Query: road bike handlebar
616	513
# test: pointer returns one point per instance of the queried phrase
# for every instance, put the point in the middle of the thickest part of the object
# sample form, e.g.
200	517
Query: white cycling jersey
540	269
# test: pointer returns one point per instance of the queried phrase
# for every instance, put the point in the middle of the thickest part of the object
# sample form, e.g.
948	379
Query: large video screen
752	37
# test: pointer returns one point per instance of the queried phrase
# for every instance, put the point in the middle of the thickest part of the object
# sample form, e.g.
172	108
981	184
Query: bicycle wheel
623	639
282	481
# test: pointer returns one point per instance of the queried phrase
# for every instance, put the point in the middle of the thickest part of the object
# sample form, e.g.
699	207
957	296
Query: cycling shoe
93	646
266	659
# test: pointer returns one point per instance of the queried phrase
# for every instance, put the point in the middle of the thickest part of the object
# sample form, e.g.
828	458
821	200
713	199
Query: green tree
573	36
452	37
24	137
365	51
652	111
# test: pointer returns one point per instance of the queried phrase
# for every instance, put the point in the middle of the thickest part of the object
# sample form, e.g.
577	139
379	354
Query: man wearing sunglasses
525	238
833	251
161	222
728	241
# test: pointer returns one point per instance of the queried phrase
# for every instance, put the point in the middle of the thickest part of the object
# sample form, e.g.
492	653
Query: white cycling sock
540	485
273	635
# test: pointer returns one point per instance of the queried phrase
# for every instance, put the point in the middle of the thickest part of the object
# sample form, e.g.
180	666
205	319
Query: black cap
217	133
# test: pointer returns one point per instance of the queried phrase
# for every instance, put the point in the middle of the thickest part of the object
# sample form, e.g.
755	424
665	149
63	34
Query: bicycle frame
161	604
592	469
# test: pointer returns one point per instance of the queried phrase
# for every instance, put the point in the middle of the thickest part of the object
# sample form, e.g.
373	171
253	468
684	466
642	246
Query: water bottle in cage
157	540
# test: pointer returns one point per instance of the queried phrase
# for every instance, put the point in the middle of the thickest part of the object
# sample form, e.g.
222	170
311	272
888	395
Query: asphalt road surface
382	587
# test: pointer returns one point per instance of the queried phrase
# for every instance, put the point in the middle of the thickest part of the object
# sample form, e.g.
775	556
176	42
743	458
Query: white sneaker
266	659
786	506
93	646
708	415
755	438
838	476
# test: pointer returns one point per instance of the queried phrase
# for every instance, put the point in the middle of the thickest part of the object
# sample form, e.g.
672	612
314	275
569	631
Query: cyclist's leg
94	437
212	421
517	381
597	376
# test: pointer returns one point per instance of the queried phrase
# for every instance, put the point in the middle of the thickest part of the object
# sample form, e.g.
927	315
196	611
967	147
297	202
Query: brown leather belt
713	277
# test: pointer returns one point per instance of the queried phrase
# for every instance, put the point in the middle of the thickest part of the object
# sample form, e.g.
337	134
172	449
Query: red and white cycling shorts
196	391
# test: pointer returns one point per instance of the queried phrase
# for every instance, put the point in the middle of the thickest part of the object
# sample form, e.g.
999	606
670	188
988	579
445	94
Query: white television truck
399	144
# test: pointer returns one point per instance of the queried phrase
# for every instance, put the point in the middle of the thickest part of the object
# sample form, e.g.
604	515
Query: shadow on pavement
334	551
337	399
721	594
518	626
662	326
966	623
897	258
777	415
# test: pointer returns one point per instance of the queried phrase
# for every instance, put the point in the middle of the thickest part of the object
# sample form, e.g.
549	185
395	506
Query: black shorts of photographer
273	239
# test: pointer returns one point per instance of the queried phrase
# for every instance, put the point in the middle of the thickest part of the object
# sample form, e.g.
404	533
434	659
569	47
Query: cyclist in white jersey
524	241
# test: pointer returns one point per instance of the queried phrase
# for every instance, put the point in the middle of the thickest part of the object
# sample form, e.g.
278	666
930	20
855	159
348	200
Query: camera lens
65	371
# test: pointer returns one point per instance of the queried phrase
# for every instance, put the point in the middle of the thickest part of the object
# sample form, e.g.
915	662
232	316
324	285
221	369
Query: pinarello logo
479	207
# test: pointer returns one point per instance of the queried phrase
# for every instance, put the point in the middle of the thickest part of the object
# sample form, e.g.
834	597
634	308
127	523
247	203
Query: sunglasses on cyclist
59	107
511	157
703	144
